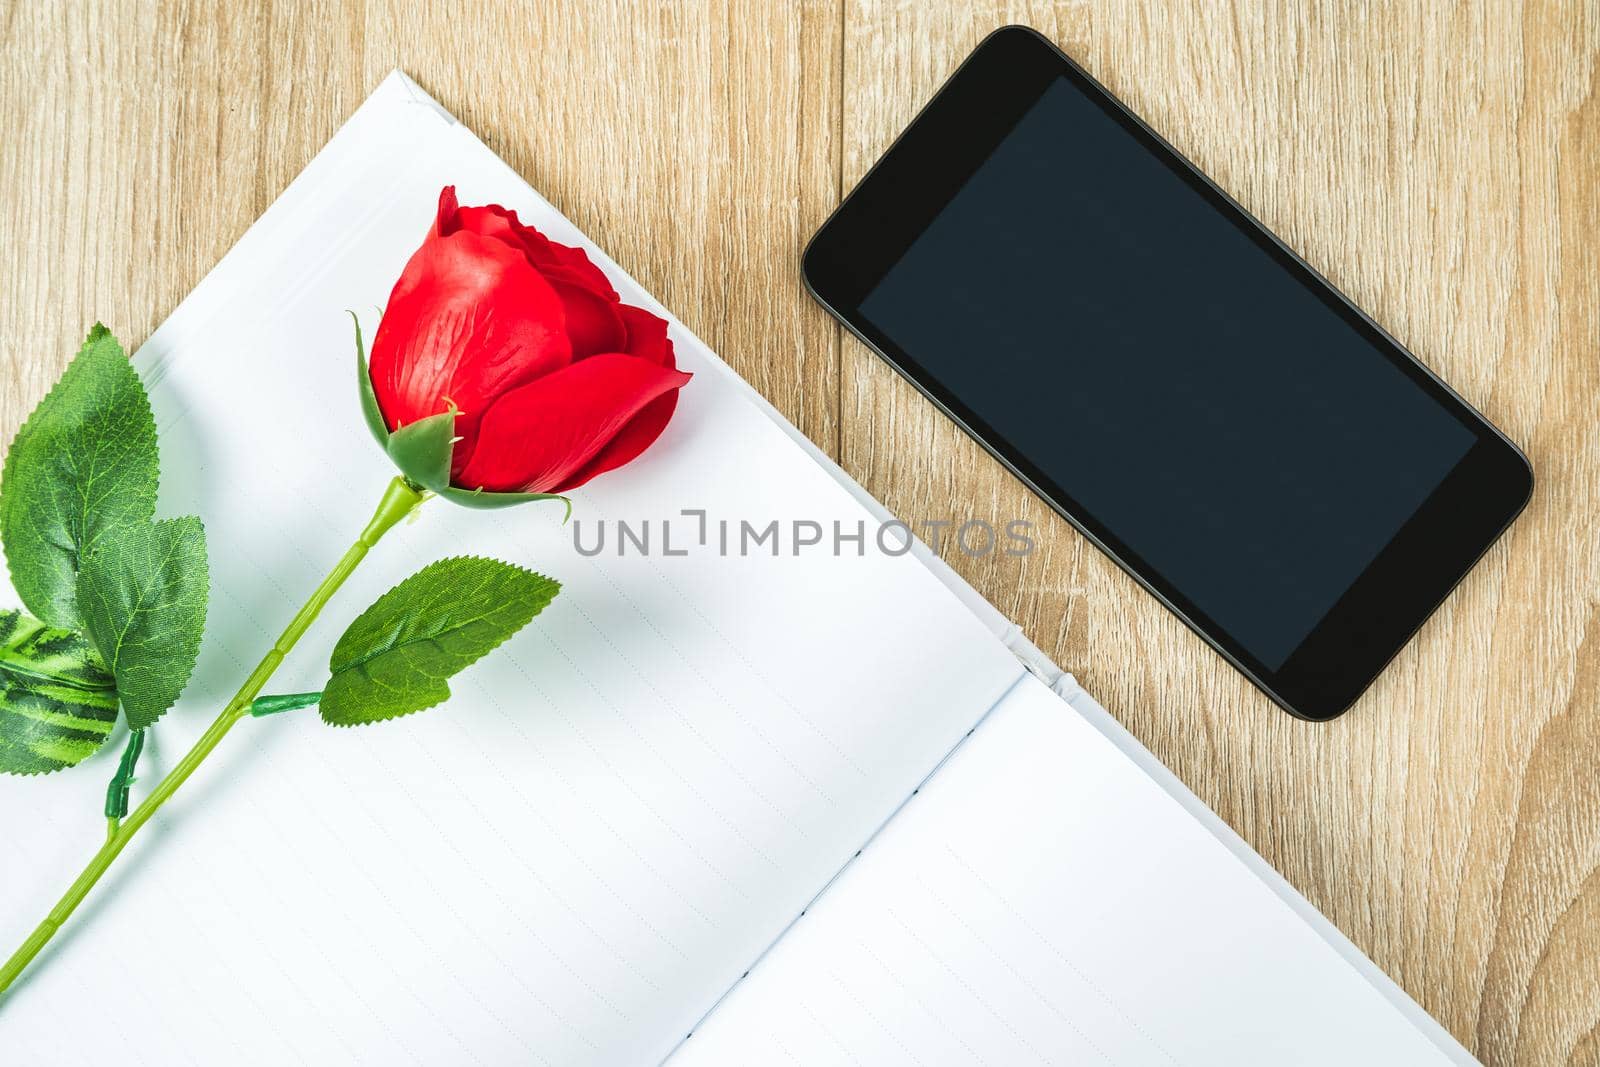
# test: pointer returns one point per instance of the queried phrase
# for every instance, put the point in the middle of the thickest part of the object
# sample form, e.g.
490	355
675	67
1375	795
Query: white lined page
613	816
1041	900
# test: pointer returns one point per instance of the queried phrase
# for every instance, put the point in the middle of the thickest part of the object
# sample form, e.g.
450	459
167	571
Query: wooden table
1438	159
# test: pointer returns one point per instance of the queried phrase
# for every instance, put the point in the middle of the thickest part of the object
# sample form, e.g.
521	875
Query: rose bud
505	368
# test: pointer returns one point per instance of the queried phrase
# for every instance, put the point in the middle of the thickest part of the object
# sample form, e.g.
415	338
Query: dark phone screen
1167	373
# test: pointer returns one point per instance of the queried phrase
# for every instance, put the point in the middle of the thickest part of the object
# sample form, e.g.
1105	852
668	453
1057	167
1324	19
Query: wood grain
1440	161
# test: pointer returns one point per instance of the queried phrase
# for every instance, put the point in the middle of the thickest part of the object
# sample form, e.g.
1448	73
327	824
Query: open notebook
808	807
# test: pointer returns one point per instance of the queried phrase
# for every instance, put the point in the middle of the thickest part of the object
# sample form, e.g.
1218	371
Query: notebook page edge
843	967
216	284
820	893
1091	711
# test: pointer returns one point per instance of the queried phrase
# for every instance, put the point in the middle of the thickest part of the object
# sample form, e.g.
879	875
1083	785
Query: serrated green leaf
394	659
57	701
84	463
143	594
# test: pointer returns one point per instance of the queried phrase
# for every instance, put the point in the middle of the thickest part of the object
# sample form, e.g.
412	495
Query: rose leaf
394	659
143	593
83	464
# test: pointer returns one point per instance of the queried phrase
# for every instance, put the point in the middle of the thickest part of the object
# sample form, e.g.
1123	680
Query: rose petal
555	261
643	429
444	219
490	220
592	321
564	261
538	436
647	335
639	434
469	319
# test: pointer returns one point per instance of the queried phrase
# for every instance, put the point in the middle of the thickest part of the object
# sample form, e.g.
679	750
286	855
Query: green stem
400	500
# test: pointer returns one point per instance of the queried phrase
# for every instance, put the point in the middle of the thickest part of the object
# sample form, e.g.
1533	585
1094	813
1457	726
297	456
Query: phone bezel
949	139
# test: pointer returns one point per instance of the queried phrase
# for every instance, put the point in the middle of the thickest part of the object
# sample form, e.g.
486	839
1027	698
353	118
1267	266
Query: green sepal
394	659
369	397
422	450
58	702
481	498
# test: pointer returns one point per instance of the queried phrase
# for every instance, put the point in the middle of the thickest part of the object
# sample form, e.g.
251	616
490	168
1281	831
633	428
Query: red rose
552	378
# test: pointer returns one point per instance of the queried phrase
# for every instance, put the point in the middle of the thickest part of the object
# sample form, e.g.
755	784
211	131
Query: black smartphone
1167	374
